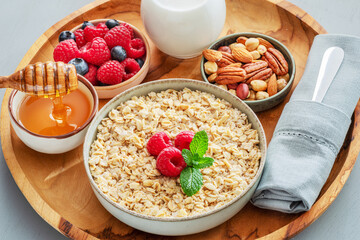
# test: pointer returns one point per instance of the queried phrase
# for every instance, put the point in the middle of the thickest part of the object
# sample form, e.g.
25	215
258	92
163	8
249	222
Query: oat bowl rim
272	101
177	84
134	80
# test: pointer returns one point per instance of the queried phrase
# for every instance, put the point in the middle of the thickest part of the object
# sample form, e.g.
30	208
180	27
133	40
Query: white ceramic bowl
183	225
52	144
105	92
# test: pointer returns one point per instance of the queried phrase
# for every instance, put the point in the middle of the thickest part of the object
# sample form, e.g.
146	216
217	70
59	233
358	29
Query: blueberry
118	53
86	24
112	23
140	62
81	66
66	35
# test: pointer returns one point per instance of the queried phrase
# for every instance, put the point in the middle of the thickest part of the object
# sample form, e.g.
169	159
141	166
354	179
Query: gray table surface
24	21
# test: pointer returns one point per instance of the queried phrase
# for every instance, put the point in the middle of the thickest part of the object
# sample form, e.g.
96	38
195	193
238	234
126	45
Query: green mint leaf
196	158
203	162
199	144
191	180
188	157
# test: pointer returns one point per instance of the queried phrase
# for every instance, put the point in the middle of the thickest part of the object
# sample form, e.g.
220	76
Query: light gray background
24	21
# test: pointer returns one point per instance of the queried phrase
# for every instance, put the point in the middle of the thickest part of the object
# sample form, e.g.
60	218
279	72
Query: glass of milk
183	28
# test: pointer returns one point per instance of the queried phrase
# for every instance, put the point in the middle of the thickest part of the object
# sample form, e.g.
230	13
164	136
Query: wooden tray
56	185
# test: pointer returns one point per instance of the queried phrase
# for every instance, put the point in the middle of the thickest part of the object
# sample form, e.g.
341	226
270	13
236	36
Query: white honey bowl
52	144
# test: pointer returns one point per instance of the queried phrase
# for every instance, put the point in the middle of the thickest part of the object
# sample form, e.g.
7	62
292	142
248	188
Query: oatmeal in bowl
128	179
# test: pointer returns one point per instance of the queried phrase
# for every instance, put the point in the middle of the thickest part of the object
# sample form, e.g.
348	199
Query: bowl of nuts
257	68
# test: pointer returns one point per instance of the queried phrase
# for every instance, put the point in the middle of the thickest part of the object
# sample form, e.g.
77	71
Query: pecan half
257	70
261	74
226	59
254	66
229	75
225	79
276	61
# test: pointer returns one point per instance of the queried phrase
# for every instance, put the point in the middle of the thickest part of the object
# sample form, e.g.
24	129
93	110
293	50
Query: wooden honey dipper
49	79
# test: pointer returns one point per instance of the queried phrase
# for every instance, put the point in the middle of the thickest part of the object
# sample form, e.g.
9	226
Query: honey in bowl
55	116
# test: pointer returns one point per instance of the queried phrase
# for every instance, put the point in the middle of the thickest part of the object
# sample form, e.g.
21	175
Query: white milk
183	28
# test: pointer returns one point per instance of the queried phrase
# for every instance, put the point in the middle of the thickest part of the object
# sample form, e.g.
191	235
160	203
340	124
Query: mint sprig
191	178
200	143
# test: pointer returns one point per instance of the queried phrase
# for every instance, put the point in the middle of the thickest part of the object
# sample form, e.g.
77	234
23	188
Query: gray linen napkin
309	135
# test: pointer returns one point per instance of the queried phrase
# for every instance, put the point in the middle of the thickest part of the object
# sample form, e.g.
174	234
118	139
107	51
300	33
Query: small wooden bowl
270	102
105	92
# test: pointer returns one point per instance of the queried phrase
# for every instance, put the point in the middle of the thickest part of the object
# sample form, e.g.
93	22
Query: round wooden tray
56	185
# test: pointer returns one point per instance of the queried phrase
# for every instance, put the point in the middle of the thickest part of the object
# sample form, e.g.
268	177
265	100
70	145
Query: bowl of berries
111	54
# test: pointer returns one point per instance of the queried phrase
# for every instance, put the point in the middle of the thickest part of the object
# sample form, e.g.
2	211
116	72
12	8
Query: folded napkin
309	135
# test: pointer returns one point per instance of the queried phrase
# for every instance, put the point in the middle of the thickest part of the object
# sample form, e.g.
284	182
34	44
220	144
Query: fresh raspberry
110	72
118	36
91	75
183	140
65	51
157	143
136	48
170	162
85	47
91	32
96	52
80	40
128	28
131	67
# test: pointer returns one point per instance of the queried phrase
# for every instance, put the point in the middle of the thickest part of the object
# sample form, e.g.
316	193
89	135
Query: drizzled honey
55	116
53	105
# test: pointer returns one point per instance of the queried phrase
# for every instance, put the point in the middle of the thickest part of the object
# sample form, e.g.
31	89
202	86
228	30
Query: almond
241	40
265	43
212	77
272	85
234	45
242	55
212	55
